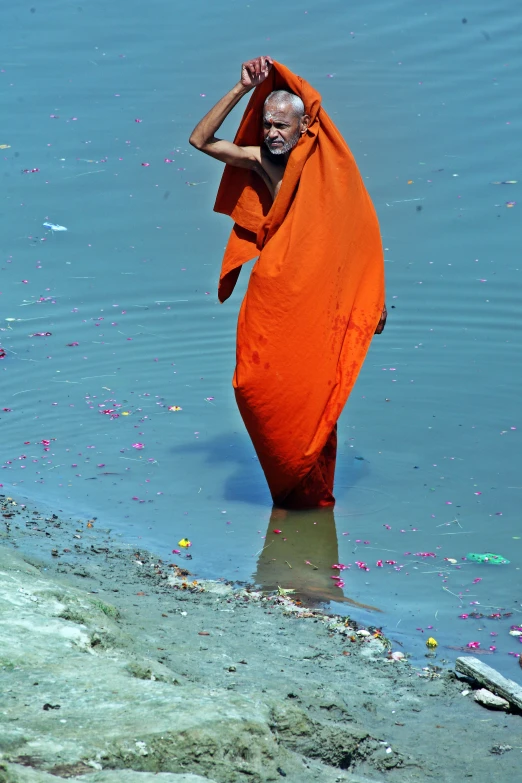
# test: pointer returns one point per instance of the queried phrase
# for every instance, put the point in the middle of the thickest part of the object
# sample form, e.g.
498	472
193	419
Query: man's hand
203	136
382	322
254	72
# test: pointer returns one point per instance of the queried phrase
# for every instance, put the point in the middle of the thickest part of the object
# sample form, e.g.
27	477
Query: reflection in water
301	556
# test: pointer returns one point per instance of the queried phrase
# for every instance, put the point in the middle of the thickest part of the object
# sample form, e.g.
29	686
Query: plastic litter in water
487	557
54	226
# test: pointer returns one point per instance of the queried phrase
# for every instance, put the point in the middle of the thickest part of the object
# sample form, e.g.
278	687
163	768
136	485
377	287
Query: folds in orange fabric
314	296
241	247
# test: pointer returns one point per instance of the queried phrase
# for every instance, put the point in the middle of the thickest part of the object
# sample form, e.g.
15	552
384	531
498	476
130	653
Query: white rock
490	700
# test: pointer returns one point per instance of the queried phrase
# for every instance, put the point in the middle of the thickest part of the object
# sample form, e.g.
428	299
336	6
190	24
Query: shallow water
429	441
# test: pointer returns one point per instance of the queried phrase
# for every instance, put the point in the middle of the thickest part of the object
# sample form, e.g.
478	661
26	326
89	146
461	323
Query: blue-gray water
426	95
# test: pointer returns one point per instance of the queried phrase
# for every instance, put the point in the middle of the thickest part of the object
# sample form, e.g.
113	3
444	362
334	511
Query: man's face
281	128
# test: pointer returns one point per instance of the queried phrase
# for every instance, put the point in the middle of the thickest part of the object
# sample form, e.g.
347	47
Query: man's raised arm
253	72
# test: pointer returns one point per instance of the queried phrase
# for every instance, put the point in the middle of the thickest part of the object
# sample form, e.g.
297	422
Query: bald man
284	122
317	288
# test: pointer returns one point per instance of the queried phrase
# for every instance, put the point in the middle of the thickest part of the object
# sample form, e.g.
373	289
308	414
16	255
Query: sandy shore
115	666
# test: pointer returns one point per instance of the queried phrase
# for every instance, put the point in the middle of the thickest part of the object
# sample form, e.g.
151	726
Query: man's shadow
247	483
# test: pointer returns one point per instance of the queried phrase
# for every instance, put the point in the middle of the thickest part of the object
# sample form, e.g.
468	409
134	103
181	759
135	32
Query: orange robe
314	297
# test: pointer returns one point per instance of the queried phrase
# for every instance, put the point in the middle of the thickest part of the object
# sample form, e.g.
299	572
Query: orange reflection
301	556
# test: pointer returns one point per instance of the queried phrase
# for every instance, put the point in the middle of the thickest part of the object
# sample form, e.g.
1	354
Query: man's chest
273	175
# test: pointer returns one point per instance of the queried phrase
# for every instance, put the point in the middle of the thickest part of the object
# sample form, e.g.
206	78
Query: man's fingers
382	323
258	67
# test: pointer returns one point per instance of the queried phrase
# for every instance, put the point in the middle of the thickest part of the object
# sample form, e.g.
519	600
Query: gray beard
287	146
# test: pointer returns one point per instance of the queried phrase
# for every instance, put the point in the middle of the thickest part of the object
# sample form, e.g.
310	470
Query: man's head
284	121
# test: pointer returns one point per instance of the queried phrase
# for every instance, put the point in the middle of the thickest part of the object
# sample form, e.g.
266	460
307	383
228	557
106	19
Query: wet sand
156	671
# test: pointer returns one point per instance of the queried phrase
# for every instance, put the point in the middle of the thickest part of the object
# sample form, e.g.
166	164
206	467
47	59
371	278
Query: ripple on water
428	444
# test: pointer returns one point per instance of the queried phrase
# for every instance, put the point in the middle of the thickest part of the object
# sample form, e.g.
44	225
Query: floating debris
54	226
487	557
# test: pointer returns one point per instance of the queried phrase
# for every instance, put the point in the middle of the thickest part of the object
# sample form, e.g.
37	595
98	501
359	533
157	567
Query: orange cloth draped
314	297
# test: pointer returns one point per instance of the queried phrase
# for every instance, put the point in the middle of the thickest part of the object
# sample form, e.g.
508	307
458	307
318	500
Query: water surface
98	101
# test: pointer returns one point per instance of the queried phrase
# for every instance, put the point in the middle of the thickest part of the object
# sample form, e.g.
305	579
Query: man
316	293
284	122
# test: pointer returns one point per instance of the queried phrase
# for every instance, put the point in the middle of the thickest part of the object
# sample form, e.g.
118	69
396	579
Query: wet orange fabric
314	297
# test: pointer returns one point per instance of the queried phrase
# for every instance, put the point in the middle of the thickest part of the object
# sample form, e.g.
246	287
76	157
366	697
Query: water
427	102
